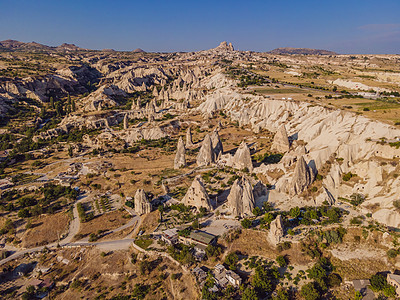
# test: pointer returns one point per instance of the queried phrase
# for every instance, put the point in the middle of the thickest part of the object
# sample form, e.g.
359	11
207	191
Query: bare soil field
104	222
46	229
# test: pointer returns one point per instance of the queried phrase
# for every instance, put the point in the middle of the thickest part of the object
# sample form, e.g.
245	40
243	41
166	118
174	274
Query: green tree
73	105
24	213
70	151
246	223
294	212
261	281
256	211
282	294
358	296
59	109
249	294
195	224
378	282
267	218
52	103
282	261
310	292
231	260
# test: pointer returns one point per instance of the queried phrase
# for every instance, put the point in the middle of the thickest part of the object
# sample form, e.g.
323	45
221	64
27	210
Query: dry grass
104	222
255	243
148	222
46	229
358	268
114	274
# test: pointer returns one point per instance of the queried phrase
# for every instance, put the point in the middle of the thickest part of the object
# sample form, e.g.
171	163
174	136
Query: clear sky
363	26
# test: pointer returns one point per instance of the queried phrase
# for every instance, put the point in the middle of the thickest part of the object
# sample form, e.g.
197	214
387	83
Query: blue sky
363	26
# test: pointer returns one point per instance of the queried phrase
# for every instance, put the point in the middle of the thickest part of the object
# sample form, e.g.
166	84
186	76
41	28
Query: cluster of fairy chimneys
211	150
303	175
241	200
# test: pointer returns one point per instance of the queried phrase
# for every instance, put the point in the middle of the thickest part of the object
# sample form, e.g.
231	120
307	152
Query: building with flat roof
394	280
202	237
361	285
170	236
225	277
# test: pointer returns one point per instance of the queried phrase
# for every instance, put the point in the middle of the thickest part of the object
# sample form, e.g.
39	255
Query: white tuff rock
197	195
281	140
242	158
302	177
180	160
216	143
206	153
240	199
189	141
142	204
276	230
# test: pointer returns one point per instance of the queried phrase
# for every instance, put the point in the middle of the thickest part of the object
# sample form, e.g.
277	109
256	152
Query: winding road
73	230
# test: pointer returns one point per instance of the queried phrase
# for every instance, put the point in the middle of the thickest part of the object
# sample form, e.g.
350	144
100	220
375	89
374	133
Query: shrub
348	176
246	223
231	260
392	253
282	261
355	221
310	292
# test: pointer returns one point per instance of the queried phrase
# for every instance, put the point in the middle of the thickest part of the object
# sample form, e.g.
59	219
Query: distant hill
304	51
13	45
17	45
138	50
69	47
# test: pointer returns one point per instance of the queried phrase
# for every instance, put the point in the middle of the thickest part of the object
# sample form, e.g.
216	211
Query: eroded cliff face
347	142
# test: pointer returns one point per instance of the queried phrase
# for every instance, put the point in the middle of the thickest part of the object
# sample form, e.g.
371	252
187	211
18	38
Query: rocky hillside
301	51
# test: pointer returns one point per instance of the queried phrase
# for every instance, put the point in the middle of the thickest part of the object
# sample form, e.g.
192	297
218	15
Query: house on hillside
394	280
361	285
199	237
226	277
200	240
200	274
170	236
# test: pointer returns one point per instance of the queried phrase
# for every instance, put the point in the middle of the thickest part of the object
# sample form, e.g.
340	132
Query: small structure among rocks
180	157
240	199
197	195
142	204
302	177
206	154
276	230
281	141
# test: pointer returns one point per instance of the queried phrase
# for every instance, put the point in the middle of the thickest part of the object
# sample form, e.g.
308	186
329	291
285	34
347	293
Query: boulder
180	160
197	195
240	199
206	154
142	204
